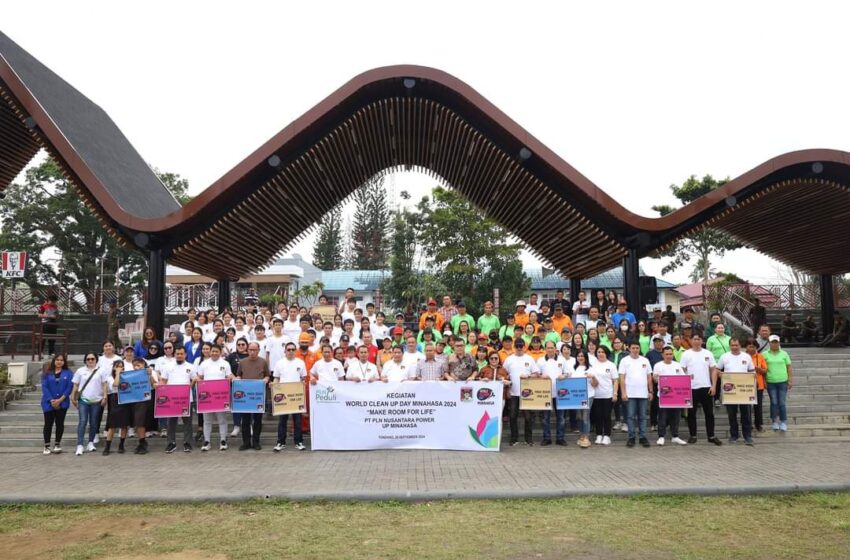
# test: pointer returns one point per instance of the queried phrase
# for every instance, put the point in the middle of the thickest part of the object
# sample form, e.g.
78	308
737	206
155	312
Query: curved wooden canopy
791	207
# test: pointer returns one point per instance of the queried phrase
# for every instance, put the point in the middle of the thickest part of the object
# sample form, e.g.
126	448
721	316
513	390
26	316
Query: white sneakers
300	446
279	447
205	446
679	441
660	441
90	447
79	450
222	446
131	432
606	440
236	431
96	439
57	448
624	427
598	440
46	450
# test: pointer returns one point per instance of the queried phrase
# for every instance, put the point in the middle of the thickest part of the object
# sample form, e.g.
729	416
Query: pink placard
172	401
214	396
674	391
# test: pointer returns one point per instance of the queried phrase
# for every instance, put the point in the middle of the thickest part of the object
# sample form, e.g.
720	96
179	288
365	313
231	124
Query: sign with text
14	264
674	391
738	388
172	401
248	395
535	394
134	386
214	396
571	393
288	398
327	312
406	415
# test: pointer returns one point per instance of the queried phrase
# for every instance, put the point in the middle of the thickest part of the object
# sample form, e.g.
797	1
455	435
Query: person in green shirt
606	338
780	378
582	330
462	315
718	344
427	336
678	349
508	328
488	321
643	337
550	335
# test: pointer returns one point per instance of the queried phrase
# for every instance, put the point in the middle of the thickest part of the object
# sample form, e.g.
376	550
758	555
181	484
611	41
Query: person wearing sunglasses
89	397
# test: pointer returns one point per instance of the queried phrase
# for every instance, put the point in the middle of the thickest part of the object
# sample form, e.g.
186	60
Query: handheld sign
535	394
172	401
248	395
288	398
214	396
738	388
674	391
571	393
134	386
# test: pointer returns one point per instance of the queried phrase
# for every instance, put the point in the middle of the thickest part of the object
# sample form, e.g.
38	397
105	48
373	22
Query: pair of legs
778	393
636	417
296	428
54	417
758	410
252	426
88	417
701	399
600	412
171	429
746	422
669	416
560	424
528	418
218	417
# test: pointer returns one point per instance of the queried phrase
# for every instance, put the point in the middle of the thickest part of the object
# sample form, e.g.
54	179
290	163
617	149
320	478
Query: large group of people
598	338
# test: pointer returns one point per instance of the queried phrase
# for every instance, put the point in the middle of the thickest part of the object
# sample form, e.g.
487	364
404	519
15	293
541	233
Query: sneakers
653	428
205	446
96	439
692	440
236	431
79	450
222	446
733	440
279	447
624	427
514	443
90	447
644	442
131	433
749	442
46	450
715	441
530	443
584	443
783	427
606	440
545	442
258	447
679	441
300	446
171	448
163	434
775	426
57	448
716	404
187	447
106	450
631	442
560	442
598	440
660	441
617	425
142	448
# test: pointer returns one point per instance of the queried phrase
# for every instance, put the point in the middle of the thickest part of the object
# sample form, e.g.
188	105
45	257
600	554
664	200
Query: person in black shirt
565	304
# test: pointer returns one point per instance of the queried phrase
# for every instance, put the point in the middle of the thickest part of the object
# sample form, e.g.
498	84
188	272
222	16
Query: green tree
369	235
327	249
178	186
399	288
702	245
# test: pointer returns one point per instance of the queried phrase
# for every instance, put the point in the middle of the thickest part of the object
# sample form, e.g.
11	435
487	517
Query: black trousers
513	417
50	327
758	410
600	413
746	422
52	417
653	406
251	424
701	398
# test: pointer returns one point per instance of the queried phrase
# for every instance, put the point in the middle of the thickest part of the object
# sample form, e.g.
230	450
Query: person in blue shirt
623	314
56	386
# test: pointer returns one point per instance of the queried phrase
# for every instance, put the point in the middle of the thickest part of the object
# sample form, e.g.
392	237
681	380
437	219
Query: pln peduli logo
325	394
486	432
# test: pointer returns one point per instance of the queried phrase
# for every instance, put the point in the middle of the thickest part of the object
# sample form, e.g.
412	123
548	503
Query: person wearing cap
488	321
700	365
399	320
560	319
623	313
565	304
429	327
520	366
432	312
696	326
447	311
687	333
521	316
736	361
545	309
462	315
396	333
780	380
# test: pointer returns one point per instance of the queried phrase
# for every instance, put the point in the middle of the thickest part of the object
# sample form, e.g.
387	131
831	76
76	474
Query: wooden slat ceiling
17	146
389	135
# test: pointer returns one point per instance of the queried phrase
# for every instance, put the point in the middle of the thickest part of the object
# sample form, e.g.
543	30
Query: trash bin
17	373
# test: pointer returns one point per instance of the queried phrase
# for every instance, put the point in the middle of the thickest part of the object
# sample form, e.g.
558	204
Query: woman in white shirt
583	369
605	380
89	397
118	417
104	364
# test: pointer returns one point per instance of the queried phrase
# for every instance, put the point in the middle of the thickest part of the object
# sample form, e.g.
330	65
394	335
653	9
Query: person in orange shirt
561	320
432	311
303	352
507	348
520	317
761	370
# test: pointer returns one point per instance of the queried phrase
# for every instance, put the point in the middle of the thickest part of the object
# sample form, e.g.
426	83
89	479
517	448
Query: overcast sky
634	95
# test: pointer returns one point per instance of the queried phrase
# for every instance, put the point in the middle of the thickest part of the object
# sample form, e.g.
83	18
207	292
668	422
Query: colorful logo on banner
248	395
135	386
486	432
214	396
325	394
172	401
674	391
571	393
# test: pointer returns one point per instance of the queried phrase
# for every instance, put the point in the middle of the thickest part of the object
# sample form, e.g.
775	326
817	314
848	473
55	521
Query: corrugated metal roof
360	280
609	279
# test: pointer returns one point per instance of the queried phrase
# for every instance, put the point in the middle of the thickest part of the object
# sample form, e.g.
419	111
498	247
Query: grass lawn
796	526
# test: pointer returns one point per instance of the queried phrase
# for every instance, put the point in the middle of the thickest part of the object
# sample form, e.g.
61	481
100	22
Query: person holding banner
520	366
361	369
88	396
327	370
606	382
735	361
554	367
252	367
179	372
290	369
636	386
214	369
140	410
700	365
667	366
119	414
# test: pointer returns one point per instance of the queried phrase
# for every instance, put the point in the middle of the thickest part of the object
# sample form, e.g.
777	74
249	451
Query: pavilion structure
792	207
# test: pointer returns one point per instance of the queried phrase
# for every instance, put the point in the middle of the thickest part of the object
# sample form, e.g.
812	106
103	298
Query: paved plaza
423	475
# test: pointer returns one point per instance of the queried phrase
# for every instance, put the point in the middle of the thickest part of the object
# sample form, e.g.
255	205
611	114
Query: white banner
463	416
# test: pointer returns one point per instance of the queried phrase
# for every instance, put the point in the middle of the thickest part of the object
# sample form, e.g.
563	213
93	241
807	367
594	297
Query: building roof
609	279
360	280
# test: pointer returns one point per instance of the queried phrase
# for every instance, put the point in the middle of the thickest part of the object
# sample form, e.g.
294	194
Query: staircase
818	411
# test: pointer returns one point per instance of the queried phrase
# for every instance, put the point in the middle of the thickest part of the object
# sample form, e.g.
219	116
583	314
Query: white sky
634	95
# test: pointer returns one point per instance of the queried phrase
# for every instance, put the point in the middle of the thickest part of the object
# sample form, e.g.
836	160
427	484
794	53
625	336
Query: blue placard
248	395
571	393
135	386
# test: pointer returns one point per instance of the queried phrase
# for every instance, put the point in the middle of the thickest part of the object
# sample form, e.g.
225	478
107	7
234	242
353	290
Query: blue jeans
237	420
777	393
89	413
636	412
584	416
560	424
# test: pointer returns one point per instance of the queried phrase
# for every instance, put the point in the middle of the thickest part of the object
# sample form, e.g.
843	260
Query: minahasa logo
484	393
203	395
279	398
563	392
162	400
238	394
123	386
325	394
486	433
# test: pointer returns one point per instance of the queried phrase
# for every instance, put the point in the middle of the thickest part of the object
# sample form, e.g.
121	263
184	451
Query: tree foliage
370	228
703	245
327	249
399	288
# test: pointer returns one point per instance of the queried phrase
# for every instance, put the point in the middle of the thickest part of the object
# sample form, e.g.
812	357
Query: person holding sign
214	369
606	382
179	372
520	366
88	396
290	369
700	365
735	361
362	369
554	367
583	369
636	386
119	414
252	367
668	415
139	409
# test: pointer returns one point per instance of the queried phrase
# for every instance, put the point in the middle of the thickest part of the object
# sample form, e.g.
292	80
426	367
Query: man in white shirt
736	361
276	342
520	366
532	304
212	370
636	385
581	307
289	369
412	355
326	370
179	372
668	415
362	369
395	370
292	325
700	365
343	301
553	366
380	330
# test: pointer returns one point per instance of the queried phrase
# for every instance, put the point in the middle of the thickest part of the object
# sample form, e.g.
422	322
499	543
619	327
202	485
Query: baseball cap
432	302
686	325
461	304
397	315
520	303
773	338
397	330
482	336
305	338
